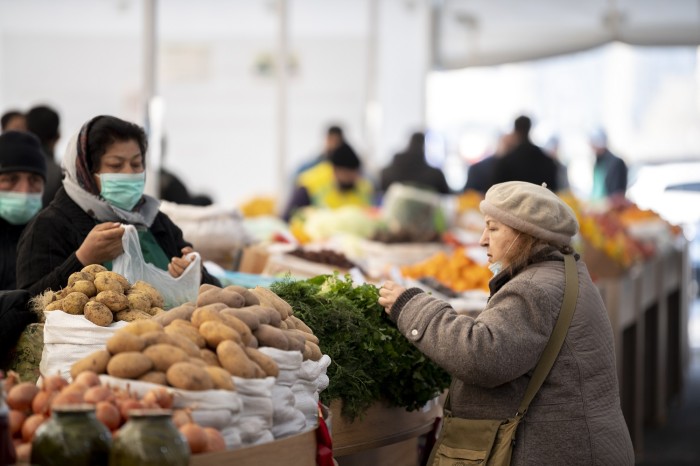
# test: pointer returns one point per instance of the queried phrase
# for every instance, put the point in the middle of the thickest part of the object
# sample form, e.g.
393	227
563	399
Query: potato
157	337
157	299
105	281
296	341
239	326
307	336
267	315
164	356
289	323
209	357
129	365
216	332
142	326
185	344
300	325
154	311
206	287
235	360
182	323
94	269
265	362
154	377
139	301
95	362
191	333
268	335
250	298
78	276
253	343
74	302
249	317
205	314
230	298
283	325
197	361
188	376
184	311
312	351
98	313
132	316
114	300
54	306
278	303
122	341
221	378
86	287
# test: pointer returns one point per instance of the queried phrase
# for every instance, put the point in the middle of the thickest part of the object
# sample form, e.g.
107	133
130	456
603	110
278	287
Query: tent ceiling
482	33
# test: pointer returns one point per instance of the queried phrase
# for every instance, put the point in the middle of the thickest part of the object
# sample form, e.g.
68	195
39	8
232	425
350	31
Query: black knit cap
345	157
21	152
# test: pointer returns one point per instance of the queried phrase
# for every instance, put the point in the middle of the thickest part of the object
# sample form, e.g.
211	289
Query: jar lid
73	408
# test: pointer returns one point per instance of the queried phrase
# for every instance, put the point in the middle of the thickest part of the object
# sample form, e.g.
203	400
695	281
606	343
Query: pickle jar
149	438
73	436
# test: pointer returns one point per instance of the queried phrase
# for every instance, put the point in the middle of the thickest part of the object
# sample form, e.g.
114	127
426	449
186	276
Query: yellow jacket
323	191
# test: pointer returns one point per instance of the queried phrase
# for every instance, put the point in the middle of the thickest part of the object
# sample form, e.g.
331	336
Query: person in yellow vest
333	183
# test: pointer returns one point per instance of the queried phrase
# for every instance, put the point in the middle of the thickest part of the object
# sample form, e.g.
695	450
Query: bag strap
556	340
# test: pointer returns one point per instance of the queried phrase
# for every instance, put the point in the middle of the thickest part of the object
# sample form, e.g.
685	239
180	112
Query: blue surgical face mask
19	208
123	190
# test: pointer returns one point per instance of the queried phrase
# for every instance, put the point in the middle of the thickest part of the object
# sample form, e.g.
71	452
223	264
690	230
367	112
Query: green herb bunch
371	360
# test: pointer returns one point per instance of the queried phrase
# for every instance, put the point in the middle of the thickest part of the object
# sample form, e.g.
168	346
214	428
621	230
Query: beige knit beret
532	209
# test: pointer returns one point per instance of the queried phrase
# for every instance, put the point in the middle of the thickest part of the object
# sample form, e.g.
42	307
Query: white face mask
497	266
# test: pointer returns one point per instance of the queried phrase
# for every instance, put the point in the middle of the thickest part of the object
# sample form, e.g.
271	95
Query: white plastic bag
133	267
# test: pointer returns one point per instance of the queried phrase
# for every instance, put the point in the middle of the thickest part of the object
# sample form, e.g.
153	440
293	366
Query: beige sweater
575	419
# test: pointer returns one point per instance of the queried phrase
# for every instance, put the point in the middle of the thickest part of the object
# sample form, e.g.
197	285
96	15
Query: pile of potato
105	297
31	406
199	347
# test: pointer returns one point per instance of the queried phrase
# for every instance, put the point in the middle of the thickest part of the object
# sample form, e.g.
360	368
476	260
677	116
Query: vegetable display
371	360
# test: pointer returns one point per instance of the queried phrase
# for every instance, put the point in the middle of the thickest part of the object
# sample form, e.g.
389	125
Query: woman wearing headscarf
575	418
103	187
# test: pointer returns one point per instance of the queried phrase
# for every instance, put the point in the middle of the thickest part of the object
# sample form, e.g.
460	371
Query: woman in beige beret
575	418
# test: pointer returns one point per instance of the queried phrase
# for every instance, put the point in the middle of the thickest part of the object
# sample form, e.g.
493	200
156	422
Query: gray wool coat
575	419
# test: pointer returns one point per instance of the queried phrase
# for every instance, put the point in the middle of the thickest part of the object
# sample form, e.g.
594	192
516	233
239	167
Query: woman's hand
178	264
388	294
102	244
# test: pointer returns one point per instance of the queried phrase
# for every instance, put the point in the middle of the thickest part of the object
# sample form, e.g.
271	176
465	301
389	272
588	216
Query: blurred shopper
410	167
44	122
609	171
22	179
105	177
551	148
526	161
575	418
333	183
334	139
480	175
13	120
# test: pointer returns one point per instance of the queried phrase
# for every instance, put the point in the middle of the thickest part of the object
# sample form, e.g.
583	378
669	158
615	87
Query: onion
53	383
42	402
161	396
196	437
11	379
128	405
31	425
98	393
181	417
215	441
24	453
87	378
69	398
76	387
21	396
16	420
108	414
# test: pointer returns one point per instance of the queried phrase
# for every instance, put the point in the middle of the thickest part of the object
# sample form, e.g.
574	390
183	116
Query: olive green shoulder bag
490	442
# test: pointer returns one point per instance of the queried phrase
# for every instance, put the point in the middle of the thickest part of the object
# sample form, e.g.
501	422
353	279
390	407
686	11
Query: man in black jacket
22	178
526	162
609	171
44	122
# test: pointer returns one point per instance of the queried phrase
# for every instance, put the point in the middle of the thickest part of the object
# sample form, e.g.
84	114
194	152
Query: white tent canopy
482	33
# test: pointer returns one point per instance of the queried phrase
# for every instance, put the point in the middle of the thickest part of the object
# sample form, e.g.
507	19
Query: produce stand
296	450
381	426
648	310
